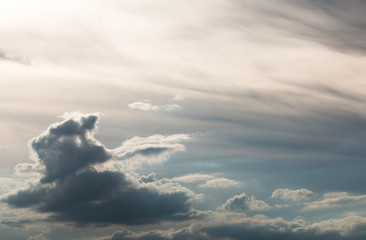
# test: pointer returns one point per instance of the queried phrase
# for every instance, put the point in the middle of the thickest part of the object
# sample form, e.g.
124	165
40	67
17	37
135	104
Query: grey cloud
242	203
72	190
334	23
38	237
13	58
102	198
66	147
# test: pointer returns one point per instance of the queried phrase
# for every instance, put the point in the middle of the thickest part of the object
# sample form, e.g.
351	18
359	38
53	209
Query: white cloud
150	150
178	97
218	183
146	106
344	226
293	195
337	199
190	178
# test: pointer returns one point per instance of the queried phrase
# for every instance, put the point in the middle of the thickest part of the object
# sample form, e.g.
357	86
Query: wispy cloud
337	199
218	183
147	106
13	58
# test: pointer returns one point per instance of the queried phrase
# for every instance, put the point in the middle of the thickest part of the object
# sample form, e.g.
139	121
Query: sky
166	119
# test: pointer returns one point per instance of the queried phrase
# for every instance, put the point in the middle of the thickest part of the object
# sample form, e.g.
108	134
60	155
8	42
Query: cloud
69	146
351	225
72	190
210	181
238	226
146	106
218	183
190	178
336	24
151	150
178	97
337	199
293	195
13	58
38	237
242	203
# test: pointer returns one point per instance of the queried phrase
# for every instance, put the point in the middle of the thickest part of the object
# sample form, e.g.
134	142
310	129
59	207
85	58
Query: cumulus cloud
69	146
147	106
337	199
293	195
71	189
241	203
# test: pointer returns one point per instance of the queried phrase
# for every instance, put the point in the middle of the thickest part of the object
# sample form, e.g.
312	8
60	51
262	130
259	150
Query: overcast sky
196	119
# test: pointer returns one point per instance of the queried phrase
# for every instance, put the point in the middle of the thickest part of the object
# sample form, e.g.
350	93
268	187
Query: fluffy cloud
72	190
337	199
293	195
241	203
146	106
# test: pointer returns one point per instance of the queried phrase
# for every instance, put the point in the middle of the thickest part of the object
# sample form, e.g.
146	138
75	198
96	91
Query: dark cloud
104	198
71	190
68	147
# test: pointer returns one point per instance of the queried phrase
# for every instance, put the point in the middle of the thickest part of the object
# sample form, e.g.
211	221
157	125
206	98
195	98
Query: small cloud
293	195
148	107
178	97
38	237
241	203
193	178
14	58
281	205
218	183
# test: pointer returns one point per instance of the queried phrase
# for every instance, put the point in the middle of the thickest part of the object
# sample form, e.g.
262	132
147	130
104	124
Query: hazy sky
197	119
